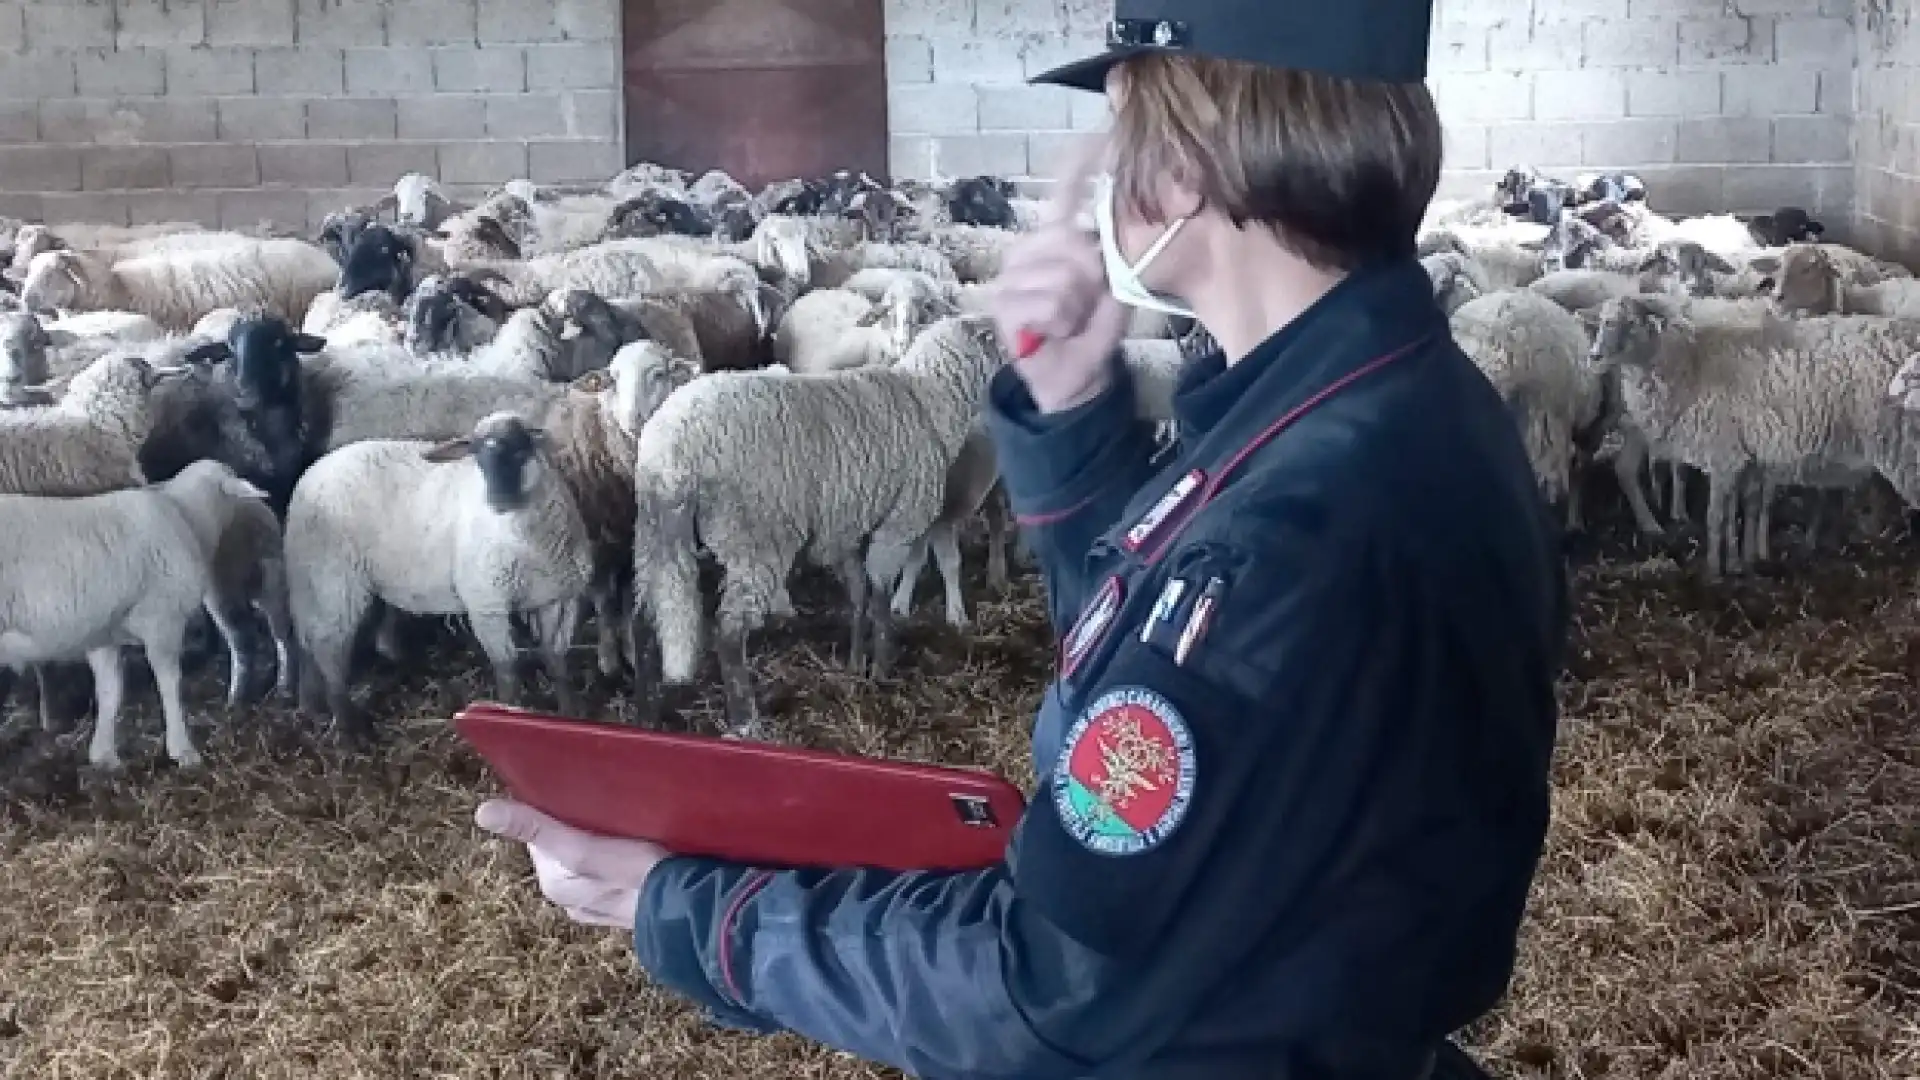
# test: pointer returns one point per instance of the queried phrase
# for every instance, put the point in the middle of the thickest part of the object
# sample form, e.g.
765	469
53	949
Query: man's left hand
595	879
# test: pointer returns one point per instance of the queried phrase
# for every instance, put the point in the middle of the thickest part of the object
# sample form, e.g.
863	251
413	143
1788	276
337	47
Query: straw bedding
1731	887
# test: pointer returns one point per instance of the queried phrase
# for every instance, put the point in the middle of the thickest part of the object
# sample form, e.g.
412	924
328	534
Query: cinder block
249	22
1686	189
1479	12
443	116
910	157
40	168
484	162
259	119
496	69
326	201
13	27
1008	18
1466	146
1673	93
352	119
1724	139
1629	143
1836	97
977	60
1620	43
1813	41
573	161
1471	98
980	155
909	61
1726	41
380	164
933	17
1580	10
223	165
593	65
1547	146
123	168
300	71
1026	108
268	206
1676	9
433	22
94	207
129	73
385	72
590	114
122	122
933	109
517	21
1465	184
1812	140
1038	53
588	20
303	164
207	72
69	26
160	23
526	116
1579	95
37	75
1765	188
1771	91
19	122
1518	46
1458	48
340	22
1091	112
158	207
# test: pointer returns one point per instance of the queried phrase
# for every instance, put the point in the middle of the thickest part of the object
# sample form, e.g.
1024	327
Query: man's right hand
1053	285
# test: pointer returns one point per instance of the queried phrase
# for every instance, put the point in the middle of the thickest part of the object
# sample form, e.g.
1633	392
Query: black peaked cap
1370	40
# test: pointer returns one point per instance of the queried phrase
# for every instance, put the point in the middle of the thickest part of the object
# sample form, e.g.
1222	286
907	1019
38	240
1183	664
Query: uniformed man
1294	762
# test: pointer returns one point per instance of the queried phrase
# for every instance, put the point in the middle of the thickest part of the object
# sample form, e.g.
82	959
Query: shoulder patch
1124	776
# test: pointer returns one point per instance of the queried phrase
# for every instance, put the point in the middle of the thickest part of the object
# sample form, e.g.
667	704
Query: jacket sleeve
1108	924
1069	475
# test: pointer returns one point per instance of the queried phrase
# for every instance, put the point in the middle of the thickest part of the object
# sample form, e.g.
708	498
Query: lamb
425	530
833	329
874	282
1809	282
760	468
249	572
972	487
1801	400
417	200
84	574
973	252
113	243
90	442
278	276
353	396
617	269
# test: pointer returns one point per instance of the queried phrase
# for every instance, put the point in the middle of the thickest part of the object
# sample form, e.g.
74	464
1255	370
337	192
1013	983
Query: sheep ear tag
1156	518
1092	625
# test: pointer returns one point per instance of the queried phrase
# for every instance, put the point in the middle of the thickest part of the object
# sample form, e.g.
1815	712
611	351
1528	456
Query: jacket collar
1378	308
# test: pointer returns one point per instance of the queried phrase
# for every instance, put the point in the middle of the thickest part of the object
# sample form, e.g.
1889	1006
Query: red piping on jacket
748	891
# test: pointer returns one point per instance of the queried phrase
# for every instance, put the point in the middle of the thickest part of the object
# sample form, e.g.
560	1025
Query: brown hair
1341	170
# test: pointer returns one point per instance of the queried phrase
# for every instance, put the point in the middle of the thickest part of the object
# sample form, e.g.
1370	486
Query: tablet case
744	801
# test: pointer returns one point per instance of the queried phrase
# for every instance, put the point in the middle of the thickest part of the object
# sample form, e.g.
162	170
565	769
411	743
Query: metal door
764	89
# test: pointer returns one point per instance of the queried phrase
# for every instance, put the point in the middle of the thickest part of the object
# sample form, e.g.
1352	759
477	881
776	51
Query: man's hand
595	879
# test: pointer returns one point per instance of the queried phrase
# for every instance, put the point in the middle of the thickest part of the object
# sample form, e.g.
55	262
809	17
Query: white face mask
1124	280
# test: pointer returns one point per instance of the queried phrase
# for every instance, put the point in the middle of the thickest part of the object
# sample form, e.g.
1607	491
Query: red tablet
745	801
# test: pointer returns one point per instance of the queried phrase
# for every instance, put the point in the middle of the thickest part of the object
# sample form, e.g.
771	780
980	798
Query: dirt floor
1730	888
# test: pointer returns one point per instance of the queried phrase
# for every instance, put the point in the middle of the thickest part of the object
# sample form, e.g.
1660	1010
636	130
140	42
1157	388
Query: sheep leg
555	624
386	635
603	598
1760	522
329	652
886	558
909	578
754	577
163	656
47	721
1627	469
736	683
273	604
1721	494
109	689
495	631
854	576
1677	492
946	553
999	520
230	616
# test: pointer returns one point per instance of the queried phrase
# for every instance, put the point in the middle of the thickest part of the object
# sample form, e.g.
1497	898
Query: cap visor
1089	74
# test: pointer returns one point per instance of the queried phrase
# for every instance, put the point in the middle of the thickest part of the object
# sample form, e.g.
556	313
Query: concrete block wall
233	112
1720	108
1887	138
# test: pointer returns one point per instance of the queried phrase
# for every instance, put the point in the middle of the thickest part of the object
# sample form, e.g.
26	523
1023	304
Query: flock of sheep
543	409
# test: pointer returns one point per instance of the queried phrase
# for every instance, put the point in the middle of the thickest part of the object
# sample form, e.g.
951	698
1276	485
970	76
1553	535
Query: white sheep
82	575
1810	281
90	441
425	530
617	269
175	290
1508	264
972	487
249	573
761	468
368	317
359	393
1457	278
835	329
1577	289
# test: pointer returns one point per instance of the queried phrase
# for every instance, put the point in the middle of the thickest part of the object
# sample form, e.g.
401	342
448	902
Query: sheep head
1627	329
417	200
24	345
378	260
1682	266
1807	282
1455	278
60	281
31	240
510	454
1904	389
1568	243
640	378
266	361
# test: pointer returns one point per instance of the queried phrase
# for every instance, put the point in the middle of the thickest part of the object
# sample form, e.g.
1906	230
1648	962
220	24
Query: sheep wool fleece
1294	762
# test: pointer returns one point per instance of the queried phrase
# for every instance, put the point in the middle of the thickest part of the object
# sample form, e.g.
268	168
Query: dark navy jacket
1297	846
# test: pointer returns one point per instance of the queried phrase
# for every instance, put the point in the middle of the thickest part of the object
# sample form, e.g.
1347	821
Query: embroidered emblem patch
1125	772
1091	626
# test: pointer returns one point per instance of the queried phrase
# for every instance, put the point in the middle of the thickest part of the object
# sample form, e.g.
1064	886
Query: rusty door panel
764	89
